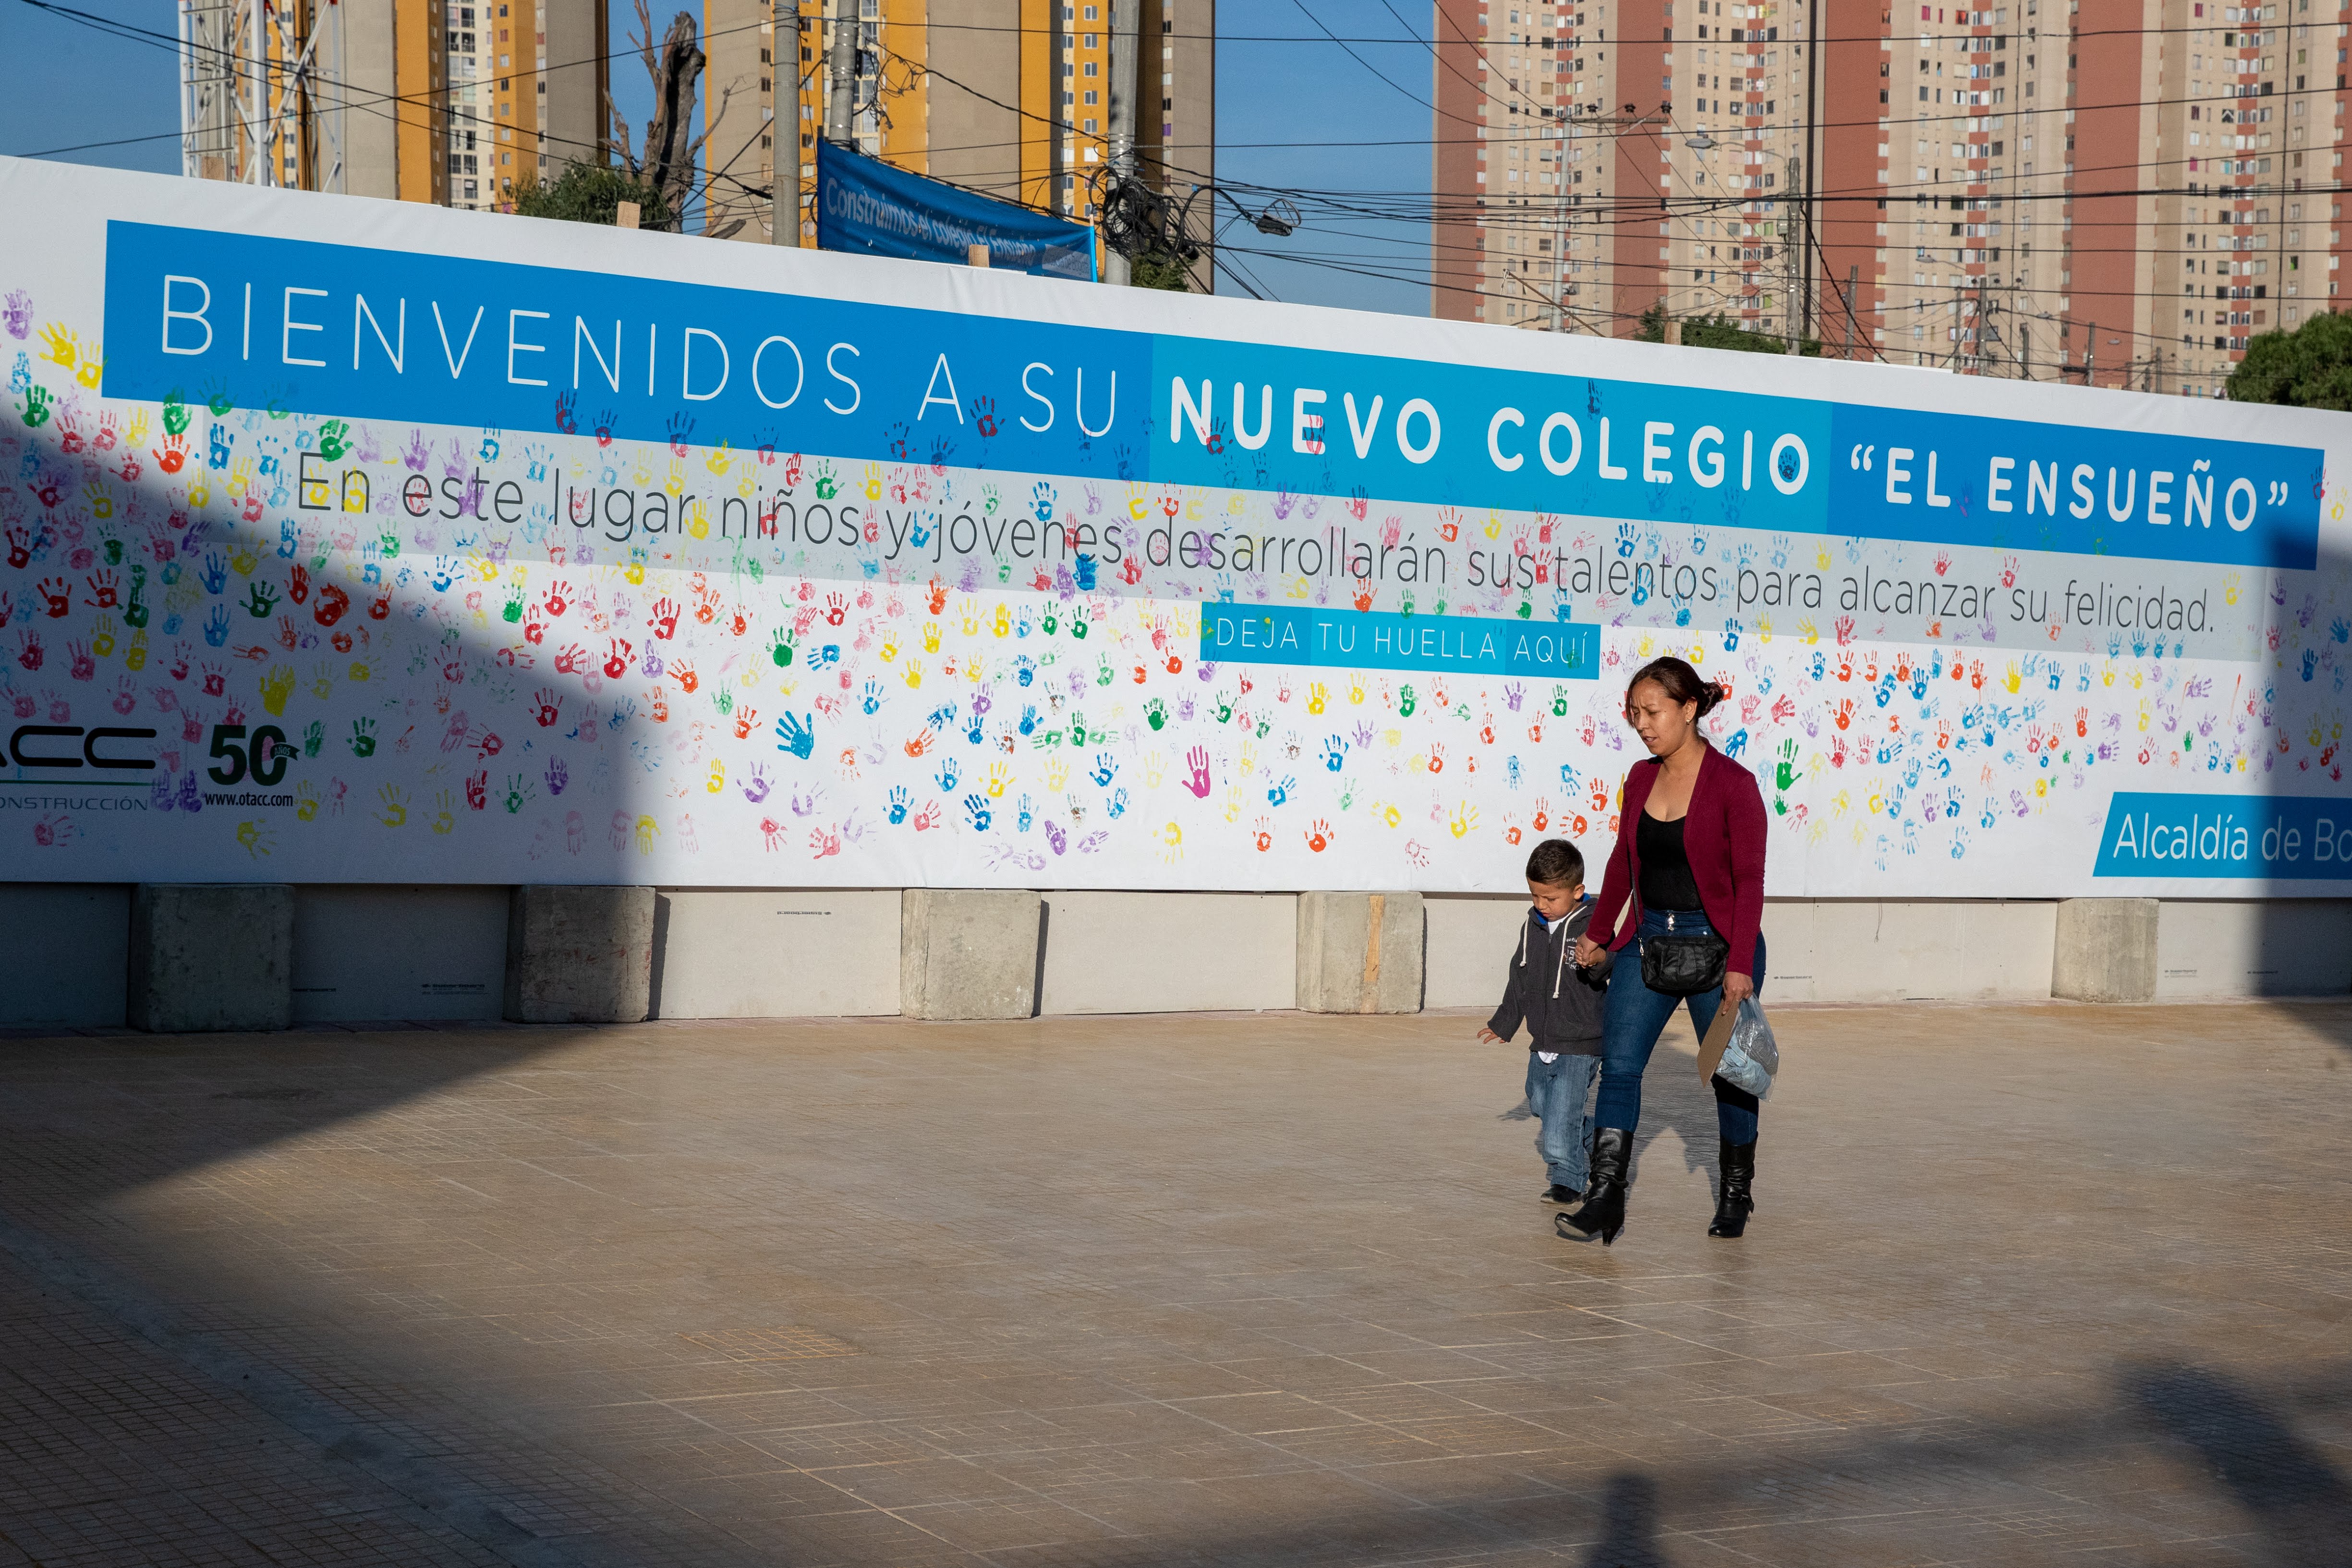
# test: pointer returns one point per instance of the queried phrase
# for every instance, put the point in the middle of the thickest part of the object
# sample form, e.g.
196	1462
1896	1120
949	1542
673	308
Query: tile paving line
429	1493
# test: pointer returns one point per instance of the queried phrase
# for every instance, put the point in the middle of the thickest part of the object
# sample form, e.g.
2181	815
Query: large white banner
356	541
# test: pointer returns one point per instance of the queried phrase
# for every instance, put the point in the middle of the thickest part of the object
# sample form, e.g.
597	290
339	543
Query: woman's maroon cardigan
1723	836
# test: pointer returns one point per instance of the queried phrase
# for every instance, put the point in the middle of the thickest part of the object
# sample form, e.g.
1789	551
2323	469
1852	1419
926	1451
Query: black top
1666	880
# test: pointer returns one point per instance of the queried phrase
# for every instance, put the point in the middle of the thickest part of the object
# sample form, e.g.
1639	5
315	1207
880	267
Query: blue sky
1294	111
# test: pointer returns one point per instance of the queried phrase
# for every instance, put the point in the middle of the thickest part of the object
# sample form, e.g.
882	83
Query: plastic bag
1752	1059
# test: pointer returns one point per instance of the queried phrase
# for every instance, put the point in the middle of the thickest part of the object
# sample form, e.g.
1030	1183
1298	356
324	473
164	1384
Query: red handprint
665	620
550	707
616	660
332	602
172	454
1843	712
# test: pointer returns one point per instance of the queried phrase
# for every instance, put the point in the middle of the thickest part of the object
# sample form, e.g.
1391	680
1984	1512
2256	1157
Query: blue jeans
1557	1090
1633	1016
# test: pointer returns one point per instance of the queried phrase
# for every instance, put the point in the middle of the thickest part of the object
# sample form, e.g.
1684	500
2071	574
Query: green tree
1157	269
2310	366
592	194
1652	328
1718	332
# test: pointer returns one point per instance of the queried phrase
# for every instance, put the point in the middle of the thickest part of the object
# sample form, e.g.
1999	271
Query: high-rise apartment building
418	101
2117	191
1007	98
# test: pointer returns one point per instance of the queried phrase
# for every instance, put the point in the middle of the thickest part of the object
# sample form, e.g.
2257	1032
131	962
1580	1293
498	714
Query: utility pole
1793	256
1853	281
2090	349
1126	46
785	178
840	63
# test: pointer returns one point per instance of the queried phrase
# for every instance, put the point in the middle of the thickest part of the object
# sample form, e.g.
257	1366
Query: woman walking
1688	875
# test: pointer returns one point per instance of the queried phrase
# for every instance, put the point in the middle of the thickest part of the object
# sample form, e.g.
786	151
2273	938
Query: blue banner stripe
402	337
2285	837
1376	640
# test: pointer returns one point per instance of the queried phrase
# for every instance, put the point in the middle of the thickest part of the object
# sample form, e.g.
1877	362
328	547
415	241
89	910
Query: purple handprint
755	787
1198	760
17	315
416	453
558	776
803	805
1056	837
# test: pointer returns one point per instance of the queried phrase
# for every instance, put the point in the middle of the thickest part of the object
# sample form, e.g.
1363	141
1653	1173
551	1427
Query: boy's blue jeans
1557	1090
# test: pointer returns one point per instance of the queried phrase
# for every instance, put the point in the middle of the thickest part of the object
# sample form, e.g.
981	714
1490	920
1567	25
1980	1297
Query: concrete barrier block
1168	952
68	951
210	956
1471	936
1361	952
2247	948
730	953
968	952
387	953
2105	950
579	955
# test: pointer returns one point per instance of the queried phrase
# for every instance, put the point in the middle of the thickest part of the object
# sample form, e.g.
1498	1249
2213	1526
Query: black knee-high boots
1736	1199
1602	1212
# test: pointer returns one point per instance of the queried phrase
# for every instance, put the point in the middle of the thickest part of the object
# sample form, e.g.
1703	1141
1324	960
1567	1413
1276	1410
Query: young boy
1560	1005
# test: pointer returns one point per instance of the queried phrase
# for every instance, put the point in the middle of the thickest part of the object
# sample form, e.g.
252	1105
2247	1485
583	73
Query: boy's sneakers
1558	1194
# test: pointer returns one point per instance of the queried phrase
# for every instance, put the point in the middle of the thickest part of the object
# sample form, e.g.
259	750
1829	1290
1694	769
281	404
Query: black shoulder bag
1683	964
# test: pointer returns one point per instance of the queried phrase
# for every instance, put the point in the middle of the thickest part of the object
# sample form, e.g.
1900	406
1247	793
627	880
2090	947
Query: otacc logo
49	754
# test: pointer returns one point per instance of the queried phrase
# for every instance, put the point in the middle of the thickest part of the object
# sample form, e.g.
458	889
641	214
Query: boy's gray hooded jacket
1557	1001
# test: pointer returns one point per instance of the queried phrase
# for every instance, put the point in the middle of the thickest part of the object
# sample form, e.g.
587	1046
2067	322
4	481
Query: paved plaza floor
2027	1284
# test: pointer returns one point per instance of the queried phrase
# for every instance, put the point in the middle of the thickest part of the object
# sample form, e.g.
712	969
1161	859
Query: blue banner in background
867	207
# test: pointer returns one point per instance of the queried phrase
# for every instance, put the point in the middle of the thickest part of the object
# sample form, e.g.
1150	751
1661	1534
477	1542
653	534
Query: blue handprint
875	694
1105	769
949	773
1041	501
796	735
897	812
1026	817
216	625
1335	754
1281	792
977	805
1028	718
1628	535
214	574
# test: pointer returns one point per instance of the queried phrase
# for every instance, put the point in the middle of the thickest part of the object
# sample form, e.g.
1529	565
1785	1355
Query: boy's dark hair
1556	863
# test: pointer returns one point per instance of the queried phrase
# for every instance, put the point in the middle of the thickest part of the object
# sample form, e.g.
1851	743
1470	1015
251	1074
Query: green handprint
363	737
36	407
332	442
220	402
1785	773
783	652
313	738
1155	712
261	601
1406	702
136	613
175	414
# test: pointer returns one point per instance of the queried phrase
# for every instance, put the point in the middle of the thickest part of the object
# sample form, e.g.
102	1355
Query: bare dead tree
666	161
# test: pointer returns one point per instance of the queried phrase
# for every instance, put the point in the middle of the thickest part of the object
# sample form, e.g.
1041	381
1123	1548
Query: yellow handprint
59	346
395	806
676	483
1807	630
445	812
1155	770
647	829
914	673
720	456
930	636
1057	773
889	649
134	429
2010	678
718	779
874	481
1318	696
1464	818
999	775
1172	843
277	685
2231	584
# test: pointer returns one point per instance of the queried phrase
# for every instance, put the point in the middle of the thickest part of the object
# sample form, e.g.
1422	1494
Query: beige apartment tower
2117	192
418	100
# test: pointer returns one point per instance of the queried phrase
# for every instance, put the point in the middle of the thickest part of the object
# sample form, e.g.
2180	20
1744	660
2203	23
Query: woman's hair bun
1680	684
